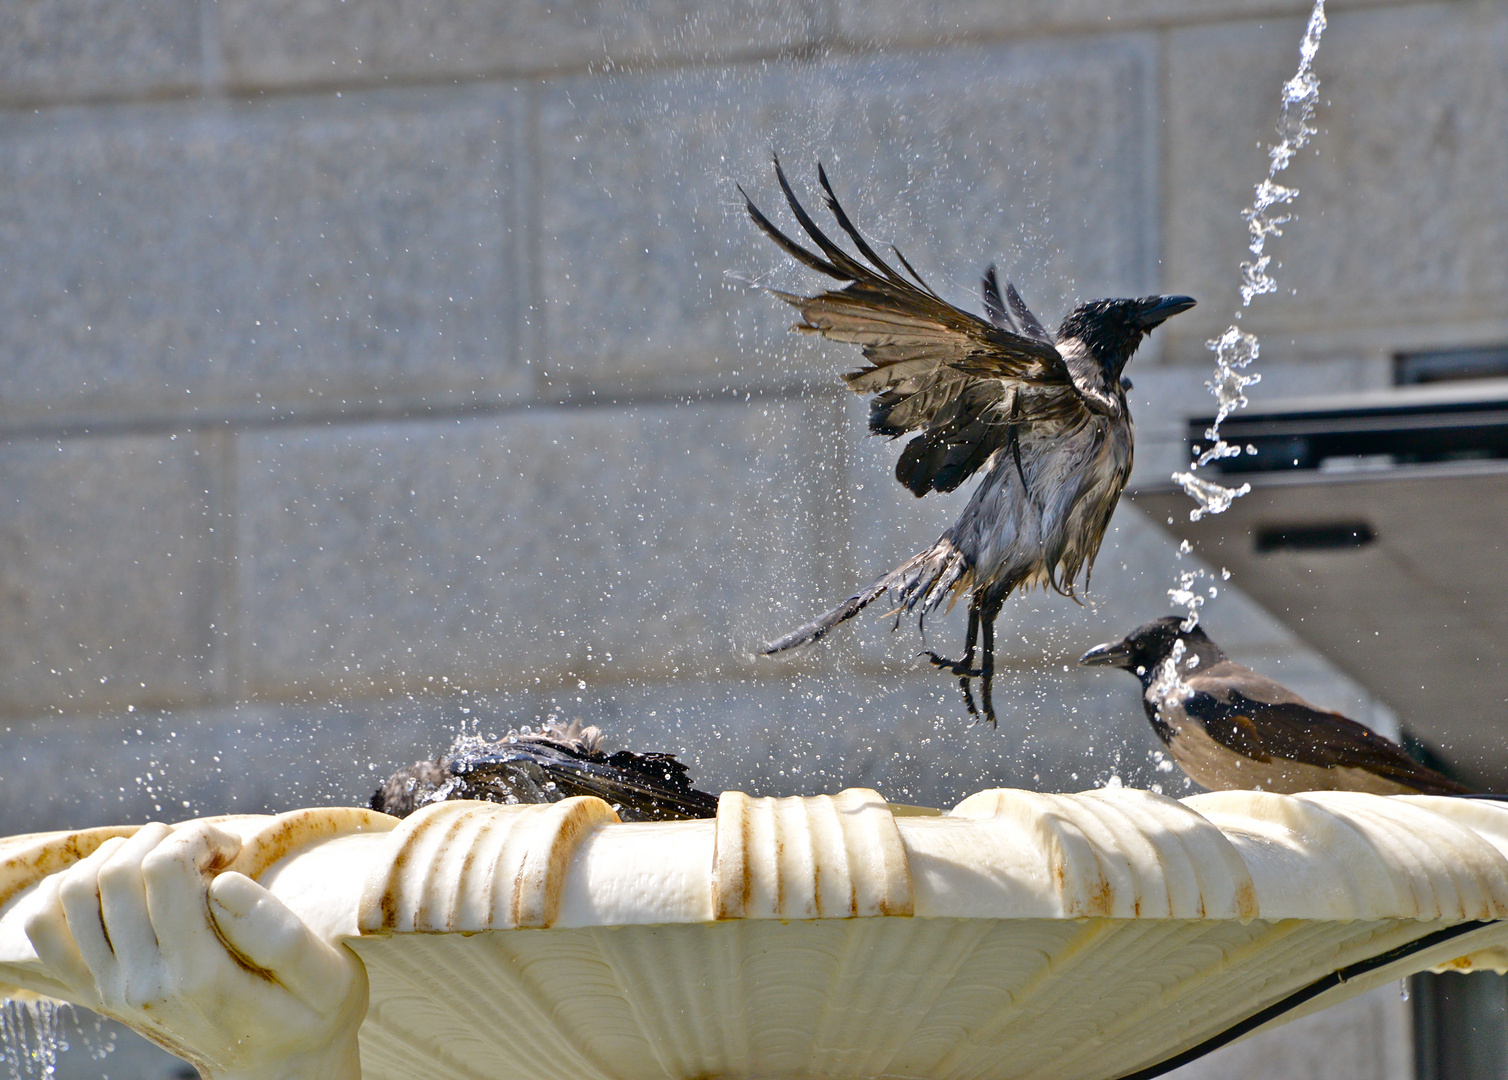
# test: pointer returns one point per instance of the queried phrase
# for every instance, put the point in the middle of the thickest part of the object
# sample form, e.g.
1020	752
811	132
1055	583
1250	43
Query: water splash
34	1033
1212	498
1264	218
1184	594
97	1038
1167	684
1235	350
33	1038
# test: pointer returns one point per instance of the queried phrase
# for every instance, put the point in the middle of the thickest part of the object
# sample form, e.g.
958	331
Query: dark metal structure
1377	529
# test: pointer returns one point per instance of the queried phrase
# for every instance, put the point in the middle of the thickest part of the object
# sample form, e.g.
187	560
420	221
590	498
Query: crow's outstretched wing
643	787
961	381
559	761
1294	731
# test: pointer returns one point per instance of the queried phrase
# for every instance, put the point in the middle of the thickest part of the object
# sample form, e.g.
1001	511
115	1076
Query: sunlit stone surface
1020	935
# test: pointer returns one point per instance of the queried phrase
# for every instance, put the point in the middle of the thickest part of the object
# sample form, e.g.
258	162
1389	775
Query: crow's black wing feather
1030	326
958	441
645	787
994	306
789	246
1294	731
934	368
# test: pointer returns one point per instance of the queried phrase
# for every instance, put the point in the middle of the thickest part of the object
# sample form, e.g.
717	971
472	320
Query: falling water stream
34	1033
1237	349
32	1038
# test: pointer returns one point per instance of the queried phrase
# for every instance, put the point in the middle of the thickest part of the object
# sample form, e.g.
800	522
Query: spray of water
34	1033
1167	685
1236	350
31	1036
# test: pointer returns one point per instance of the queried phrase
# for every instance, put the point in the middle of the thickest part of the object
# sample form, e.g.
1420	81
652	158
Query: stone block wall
360	357
373	371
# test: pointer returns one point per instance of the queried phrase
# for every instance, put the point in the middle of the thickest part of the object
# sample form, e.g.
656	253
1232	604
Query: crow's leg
968	658
987	673
987	666
964	668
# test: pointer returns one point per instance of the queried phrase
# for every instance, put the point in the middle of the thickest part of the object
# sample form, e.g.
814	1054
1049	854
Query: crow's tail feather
819	626
926	580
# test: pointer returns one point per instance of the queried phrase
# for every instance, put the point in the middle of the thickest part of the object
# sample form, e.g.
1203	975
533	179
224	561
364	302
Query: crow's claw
965	672
960	668
968	698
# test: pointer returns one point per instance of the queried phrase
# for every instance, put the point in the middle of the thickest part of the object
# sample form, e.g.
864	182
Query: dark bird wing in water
960	381
642	787
555	764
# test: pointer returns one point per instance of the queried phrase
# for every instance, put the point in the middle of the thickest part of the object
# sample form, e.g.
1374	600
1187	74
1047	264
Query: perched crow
547	766
1044	415
1230	728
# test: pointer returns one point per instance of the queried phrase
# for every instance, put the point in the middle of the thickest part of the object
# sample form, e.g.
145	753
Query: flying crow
1230	728
1043	415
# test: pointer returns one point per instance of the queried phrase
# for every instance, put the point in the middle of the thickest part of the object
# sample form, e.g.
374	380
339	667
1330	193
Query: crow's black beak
1163	309
1110	654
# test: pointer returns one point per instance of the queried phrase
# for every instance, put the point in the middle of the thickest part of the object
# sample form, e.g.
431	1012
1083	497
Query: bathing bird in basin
1229	728
1042	416
559	761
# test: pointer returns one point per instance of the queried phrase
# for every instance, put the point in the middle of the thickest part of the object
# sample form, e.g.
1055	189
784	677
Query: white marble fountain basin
1021	935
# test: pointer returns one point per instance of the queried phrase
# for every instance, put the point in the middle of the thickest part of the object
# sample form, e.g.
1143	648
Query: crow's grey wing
961	381
1226	677
1294	731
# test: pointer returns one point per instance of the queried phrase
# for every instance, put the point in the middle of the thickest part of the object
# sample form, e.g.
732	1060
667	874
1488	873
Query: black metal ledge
1416	425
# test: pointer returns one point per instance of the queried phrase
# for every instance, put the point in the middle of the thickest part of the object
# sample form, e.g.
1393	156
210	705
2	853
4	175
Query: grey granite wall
374	371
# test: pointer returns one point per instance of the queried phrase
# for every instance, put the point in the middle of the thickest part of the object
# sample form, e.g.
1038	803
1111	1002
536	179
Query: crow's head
1112	329
1145	648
